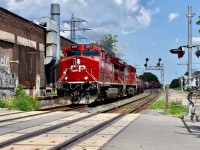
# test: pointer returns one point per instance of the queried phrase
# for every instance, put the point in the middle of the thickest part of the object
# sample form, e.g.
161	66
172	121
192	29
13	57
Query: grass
157	105
177	88
175	107
22	101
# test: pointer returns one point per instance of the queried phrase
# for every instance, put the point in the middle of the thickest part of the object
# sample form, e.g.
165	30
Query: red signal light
180	54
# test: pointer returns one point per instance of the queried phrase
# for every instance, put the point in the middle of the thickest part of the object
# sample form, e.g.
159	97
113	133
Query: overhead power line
75	25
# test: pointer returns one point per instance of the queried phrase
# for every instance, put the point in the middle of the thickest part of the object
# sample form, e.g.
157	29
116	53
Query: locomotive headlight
64	72
86	78
66	78
78	61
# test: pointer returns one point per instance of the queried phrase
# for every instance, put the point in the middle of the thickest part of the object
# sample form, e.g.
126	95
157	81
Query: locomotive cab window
73	53
90	53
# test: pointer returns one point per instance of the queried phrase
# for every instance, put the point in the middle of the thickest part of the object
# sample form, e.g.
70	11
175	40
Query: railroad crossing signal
180	51
197	52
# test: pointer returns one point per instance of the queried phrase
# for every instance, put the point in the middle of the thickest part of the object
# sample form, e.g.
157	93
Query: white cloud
146	15
196	40
127	32
173	16
151	2
132	5
64	34
36	22
116	17
119	2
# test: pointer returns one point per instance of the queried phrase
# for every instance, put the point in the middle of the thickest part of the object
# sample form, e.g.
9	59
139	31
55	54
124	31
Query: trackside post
167	98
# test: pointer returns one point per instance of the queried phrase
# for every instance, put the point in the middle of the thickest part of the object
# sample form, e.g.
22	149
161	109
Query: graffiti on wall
5	64
8	78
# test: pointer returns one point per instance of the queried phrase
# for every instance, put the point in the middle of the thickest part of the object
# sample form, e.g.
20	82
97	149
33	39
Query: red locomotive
90	73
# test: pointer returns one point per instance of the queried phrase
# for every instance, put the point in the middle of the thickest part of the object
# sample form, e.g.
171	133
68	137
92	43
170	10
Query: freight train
89	73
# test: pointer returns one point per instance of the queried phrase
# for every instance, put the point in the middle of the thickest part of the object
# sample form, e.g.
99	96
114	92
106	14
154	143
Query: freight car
90	73
154	84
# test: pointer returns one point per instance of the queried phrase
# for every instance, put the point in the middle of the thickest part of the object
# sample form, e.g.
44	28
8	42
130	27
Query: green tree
175	83
148	76
108	42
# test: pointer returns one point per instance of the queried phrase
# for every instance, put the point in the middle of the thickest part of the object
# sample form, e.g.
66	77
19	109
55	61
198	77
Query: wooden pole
167	96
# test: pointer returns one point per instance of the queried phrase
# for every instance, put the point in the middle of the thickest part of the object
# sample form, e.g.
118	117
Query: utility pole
190	15
180	51
75	25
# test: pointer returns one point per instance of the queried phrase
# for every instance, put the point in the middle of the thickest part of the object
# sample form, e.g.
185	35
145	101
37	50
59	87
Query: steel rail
16	118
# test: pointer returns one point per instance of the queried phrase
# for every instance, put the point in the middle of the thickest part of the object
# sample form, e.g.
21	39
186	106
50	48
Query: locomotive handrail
59	80
120	80
91	76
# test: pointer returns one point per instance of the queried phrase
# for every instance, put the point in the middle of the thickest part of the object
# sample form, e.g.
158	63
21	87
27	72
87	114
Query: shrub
22	101
2	103
19	91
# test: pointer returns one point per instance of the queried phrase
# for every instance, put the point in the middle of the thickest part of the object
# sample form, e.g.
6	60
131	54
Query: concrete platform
157	132
153	131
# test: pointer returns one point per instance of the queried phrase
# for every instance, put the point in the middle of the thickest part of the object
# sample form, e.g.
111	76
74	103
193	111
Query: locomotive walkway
153	131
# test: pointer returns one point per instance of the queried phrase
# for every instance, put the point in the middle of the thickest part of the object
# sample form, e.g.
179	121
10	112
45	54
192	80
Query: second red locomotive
90	73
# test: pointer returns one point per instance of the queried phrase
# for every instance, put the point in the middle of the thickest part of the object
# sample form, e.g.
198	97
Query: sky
145	28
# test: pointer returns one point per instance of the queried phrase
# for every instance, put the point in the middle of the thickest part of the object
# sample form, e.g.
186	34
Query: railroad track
79	107
69	132
136	105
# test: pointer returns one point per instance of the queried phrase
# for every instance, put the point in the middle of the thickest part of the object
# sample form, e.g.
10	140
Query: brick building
22	53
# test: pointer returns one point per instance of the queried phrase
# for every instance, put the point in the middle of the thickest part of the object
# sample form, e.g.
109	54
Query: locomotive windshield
91	53
73	53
